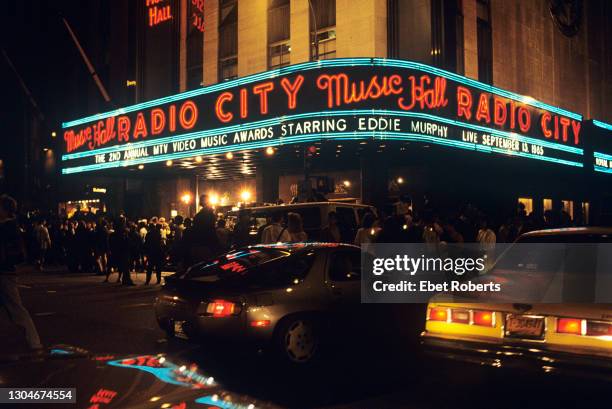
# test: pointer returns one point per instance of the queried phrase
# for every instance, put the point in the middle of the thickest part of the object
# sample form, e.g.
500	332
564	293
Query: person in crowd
486	237
119	244
203	242
332	232
136	245
43	243
153	247
241	235
12	253
223	234
295	227
101	247
275	232
392	230
366	233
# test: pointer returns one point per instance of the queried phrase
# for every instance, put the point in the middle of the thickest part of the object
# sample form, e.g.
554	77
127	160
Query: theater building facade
451	102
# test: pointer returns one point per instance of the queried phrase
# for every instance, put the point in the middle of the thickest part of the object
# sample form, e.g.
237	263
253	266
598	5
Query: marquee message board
343	99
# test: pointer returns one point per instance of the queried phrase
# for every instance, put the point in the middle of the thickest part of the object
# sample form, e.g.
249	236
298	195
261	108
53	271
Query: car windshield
255	268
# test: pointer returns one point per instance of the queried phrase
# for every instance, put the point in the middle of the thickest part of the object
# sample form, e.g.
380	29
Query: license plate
524	326
179	332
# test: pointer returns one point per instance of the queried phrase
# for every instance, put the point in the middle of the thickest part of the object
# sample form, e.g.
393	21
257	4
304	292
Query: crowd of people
107	245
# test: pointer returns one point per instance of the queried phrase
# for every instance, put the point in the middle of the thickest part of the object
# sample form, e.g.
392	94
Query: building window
427	31
228	39
527	202
585	213
278	34
568	207
322	29
547	204
195	44
485	41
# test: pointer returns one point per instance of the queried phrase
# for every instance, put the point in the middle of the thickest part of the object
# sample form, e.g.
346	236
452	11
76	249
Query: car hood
106	381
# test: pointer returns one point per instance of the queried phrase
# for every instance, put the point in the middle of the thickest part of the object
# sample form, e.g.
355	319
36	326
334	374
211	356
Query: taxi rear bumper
536	358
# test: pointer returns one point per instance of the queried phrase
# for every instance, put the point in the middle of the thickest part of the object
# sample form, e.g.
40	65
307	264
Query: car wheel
298	340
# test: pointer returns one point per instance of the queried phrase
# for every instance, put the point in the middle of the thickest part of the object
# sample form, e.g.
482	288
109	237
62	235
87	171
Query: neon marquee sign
158	11
351	99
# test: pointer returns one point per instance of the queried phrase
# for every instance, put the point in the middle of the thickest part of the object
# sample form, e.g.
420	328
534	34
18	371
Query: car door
343	282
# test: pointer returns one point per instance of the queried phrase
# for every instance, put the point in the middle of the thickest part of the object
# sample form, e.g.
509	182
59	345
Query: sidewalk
28	272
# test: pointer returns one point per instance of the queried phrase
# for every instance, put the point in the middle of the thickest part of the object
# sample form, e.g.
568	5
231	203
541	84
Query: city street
80	310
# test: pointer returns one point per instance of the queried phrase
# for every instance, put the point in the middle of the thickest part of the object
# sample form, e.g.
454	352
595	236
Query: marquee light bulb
229	155
245	195
269	151
199	159
168	163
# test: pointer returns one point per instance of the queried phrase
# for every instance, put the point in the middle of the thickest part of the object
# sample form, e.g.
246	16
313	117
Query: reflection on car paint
166	371
58	351
215	402
101	397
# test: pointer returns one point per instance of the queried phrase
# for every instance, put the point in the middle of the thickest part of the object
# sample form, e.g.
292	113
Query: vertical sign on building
195	43
159	59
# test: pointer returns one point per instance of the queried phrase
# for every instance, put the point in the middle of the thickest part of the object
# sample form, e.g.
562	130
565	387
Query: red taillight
597	329
221	308
438	314
569	326
460	316
260	323
484	318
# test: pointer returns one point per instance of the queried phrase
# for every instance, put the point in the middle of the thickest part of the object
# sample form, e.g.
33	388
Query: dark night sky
36	40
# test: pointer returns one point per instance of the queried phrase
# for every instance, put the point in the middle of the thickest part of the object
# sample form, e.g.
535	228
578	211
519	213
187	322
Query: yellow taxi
554	338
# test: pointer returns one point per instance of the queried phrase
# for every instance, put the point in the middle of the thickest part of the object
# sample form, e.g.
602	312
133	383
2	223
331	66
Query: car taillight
484	318
570	326
460	316
260	323
221	308
438	314
597	329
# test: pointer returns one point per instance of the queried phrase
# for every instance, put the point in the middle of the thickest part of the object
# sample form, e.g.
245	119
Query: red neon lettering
544	121
565	123
483	109
191	108
243	103
499	111
524	119
292	90
556	127
172	115
221	99
431	98
512	115
464	102
262	90
341	90
576	130
158	121
140	128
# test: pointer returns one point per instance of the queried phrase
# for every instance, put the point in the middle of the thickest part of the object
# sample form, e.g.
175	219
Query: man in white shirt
275	232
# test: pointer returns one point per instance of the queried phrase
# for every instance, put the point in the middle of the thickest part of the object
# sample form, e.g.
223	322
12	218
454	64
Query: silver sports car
283	296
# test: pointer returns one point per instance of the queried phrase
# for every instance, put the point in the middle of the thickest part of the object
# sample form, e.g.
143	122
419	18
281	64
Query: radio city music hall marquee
343	99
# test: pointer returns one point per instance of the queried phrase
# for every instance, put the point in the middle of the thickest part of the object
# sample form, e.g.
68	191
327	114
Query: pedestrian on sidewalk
43	243
155	253
11	253
119	243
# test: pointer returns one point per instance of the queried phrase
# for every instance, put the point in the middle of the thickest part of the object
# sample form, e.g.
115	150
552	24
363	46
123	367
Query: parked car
570	338
279	297
314	216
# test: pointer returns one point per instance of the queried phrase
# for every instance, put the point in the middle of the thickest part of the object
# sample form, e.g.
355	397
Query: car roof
308	204
304	246
567	231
